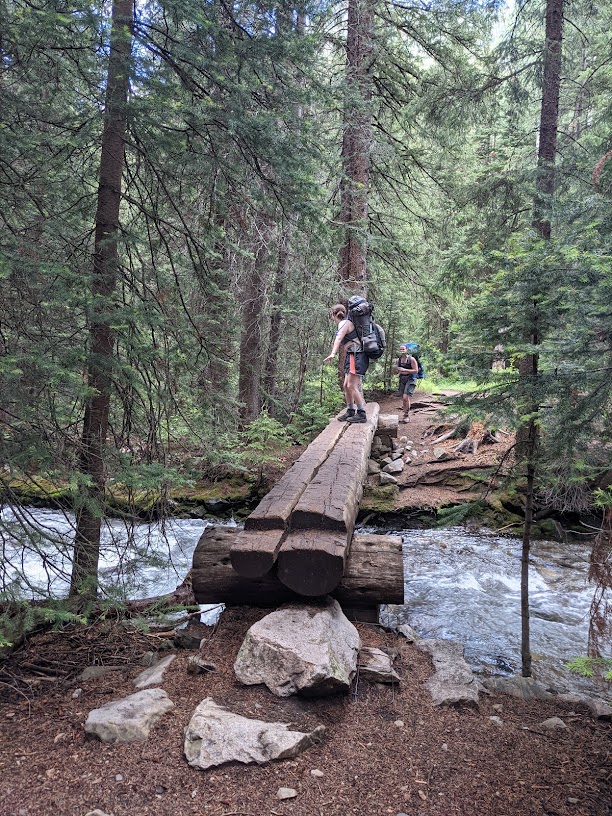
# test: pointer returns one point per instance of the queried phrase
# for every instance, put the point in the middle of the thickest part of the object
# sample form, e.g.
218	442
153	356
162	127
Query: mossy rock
379	498
231	490
546	530
228	495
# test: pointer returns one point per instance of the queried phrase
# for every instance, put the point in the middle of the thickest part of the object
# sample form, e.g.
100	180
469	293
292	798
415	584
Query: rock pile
389	457
311	650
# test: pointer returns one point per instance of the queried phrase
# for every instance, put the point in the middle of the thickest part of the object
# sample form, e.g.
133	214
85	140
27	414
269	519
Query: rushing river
459	585
466	586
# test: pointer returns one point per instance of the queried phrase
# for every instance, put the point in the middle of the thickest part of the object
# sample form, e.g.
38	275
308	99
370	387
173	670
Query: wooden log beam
313	555
274	510
373	574
254	552
331	500
388	425
255	549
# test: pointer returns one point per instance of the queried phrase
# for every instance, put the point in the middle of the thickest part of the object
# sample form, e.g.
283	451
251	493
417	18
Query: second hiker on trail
355	365
408	368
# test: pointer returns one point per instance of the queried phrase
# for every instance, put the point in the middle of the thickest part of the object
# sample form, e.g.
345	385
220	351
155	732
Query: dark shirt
404	368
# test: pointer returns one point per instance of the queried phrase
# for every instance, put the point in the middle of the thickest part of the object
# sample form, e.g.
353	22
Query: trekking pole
321	389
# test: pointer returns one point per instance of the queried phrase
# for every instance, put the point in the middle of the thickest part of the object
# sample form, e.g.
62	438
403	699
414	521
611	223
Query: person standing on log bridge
355	365
407	367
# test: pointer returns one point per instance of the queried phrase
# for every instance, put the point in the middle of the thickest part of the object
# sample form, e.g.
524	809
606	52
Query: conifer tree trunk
285	26
84	578
549	118
282	271
356	147
254	298
527	436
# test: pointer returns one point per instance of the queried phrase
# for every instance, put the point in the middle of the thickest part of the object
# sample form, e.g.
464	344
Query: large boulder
129	719
215	736
311	650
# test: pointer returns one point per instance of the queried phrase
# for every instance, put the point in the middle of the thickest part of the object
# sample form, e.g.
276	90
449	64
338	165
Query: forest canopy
186	188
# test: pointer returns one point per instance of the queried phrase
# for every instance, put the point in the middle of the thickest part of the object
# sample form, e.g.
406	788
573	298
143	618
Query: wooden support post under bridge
373	574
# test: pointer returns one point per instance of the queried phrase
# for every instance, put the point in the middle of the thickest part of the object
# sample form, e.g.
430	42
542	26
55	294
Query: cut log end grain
254	552
310	573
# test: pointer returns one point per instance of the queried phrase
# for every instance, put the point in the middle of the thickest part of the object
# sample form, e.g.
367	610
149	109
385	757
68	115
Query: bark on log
373	575
274	510
313	563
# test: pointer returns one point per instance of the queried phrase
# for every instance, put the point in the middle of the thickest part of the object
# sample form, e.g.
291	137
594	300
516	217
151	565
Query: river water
465	586
458	584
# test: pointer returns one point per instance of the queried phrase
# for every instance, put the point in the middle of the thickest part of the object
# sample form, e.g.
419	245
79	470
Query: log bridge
299	541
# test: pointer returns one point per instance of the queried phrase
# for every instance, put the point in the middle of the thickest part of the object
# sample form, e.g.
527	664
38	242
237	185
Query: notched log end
310	573
251	564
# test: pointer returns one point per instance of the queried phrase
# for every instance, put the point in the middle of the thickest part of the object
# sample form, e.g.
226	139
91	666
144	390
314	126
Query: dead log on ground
476	436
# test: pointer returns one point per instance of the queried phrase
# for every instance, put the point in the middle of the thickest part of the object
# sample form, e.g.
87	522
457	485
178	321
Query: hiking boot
350	412
360	416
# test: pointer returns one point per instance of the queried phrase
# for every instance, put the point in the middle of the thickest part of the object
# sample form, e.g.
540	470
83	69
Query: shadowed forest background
186	187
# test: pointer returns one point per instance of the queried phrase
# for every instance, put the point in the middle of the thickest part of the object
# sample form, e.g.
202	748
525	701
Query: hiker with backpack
407	367
355	365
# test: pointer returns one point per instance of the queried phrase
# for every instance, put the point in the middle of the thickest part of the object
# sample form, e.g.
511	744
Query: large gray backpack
370	334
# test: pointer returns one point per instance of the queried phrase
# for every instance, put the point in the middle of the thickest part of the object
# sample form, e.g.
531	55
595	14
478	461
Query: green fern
457	514
591	666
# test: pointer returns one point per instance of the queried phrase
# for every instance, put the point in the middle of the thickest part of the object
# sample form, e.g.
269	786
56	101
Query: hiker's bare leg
351	408
406	405
346	389
354	389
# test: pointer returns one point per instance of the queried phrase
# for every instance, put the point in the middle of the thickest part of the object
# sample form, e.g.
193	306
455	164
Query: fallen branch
444	437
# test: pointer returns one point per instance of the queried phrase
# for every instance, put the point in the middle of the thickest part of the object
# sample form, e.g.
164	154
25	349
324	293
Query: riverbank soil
387	749
439	475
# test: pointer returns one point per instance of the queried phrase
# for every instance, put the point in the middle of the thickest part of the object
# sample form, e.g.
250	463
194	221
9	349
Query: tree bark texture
356	148
525	551
527	435
105	266
254	298
549	118
280	282
213	307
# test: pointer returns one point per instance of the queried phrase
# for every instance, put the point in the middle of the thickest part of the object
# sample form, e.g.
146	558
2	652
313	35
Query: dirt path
439	476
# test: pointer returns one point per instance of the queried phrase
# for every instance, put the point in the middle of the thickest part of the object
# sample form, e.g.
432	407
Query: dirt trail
439	476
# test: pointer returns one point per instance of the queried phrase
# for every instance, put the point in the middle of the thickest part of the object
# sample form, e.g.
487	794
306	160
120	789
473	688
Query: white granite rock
129	719
307	649
216	735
